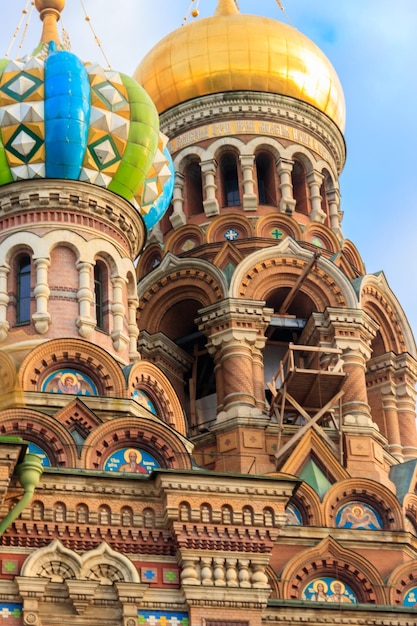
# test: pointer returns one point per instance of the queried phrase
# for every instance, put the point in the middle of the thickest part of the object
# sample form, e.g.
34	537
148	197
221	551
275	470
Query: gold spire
226	7
50	13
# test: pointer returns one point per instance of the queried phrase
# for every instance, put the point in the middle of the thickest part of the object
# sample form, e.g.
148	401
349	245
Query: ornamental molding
242	105
78	205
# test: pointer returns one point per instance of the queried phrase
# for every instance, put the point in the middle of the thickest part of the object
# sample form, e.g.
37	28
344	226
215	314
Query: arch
82	355
165	445
353	257
206	513
8	374
377	299
38	564
369	492
184	239
44	431
400	581
218	229
227	514
146	376
261	273
149	260
327	238
329	558
204	284
308	503
285	225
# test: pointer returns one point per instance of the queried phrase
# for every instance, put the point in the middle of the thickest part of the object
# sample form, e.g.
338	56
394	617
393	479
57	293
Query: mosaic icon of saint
133	460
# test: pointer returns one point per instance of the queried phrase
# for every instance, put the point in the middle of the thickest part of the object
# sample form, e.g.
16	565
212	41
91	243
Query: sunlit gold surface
240	52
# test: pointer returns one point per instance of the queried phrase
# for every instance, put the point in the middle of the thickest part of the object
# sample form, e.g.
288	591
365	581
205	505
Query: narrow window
230	180
23	290
98	293
194	189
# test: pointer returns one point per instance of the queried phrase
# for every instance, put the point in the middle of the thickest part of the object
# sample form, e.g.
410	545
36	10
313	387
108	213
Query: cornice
76	206
268	107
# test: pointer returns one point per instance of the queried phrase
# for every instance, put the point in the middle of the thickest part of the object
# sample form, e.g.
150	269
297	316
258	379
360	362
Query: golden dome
235	52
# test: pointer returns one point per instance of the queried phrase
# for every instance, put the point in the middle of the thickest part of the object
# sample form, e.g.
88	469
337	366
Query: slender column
178	217
41	318
119	338
314	180
4	301
85	322
405	386
249	197
287	202
333	197
210	202
133	304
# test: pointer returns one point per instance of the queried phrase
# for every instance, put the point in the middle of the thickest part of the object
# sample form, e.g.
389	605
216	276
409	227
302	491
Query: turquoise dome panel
67	112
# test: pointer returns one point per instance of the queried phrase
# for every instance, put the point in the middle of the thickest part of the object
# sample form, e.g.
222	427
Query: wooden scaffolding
306	390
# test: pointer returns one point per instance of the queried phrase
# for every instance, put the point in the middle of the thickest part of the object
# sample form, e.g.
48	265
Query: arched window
230	180
81	513
60	512
98	295
127	516
104	515
23	290
265	178
194	189
300	188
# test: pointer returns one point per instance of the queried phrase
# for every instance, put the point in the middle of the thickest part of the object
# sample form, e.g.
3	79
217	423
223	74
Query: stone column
210	202
405	386
85	322
41	318
235	330
133	304
119	337
250	201
333	198
4	301
178	217
287	202
315	180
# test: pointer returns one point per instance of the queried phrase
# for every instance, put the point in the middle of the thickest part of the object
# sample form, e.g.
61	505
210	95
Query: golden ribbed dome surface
237	52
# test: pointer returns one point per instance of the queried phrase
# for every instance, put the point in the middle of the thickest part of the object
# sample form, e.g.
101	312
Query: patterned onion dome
235	52
62	118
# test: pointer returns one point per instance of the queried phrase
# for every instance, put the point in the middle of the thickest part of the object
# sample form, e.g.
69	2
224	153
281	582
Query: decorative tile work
11	614
231	234
163	618
9	566
149	574
170	576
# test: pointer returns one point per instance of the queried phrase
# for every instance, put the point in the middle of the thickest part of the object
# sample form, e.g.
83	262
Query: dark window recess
23	290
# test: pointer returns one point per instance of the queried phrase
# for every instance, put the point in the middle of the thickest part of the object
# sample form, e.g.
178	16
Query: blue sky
373	47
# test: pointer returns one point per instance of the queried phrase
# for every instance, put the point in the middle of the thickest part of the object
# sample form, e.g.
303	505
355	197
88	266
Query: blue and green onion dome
61	118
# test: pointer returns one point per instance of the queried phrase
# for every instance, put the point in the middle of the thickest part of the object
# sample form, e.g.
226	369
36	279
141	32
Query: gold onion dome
235	52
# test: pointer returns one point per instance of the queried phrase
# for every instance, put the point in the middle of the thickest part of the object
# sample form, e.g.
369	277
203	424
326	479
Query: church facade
207	411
